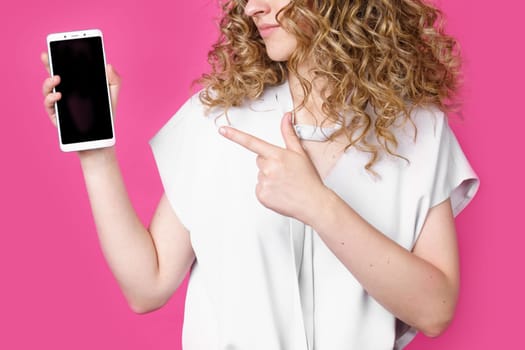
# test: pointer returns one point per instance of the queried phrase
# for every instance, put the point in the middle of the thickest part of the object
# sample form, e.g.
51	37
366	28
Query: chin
278	56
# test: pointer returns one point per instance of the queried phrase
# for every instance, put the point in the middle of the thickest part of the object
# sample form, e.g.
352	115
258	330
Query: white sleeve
454	178
173	152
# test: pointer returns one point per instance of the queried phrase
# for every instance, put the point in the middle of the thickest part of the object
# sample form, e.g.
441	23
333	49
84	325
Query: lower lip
267	31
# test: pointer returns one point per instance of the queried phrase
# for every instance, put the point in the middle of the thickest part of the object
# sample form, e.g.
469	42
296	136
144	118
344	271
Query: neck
308	109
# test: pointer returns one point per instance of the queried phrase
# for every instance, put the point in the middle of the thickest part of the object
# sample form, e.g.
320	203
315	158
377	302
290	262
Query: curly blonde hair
380	57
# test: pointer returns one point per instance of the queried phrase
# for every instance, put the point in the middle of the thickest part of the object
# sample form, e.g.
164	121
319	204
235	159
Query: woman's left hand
288	182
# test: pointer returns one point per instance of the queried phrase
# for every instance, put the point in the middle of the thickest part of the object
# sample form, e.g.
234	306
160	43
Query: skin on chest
324	155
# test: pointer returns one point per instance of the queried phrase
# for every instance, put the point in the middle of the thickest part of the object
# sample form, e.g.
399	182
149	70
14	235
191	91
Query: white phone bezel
86	145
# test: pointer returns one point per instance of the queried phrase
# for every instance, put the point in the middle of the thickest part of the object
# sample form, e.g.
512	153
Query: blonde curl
379	59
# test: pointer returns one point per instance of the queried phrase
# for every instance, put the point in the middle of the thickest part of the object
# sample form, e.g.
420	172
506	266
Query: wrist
323	212
97	156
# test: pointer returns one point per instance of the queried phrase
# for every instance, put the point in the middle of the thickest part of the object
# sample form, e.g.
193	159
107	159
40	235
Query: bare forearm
126	243
411	288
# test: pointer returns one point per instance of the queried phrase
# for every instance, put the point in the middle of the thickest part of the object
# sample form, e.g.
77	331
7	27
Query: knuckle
48	85
262	193
258	190
48	101
45	88
273	168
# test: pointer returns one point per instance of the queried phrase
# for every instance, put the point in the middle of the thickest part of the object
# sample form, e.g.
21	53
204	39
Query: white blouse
265	281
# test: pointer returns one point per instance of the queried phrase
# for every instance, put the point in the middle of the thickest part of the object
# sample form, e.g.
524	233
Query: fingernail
222	131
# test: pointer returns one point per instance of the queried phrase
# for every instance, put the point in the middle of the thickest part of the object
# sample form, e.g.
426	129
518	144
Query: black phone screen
84	110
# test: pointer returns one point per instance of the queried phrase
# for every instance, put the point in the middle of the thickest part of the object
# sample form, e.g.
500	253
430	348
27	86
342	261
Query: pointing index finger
248	141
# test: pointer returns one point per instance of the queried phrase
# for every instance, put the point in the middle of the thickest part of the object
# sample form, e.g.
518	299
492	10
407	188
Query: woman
311	186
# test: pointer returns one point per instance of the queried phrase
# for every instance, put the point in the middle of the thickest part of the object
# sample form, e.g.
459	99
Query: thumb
113	76
114	85
290	137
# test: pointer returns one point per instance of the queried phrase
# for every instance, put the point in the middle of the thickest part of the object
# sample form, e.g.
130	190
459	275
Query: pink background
56	290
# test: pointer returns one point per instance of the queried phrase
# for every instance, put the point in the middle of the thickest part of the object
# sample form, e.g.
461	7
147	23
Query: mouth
266	29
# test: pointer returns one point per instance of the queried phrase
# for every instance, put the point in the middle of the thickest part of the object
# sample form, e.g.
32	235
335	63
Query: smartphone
84	115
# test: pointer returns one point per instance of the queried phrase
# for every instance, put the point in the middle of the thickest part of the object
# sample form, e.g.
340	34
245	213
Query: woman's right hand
50	97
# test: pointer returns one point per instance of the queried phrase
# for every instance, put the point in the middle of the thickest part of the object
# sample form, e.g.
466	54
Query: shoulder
423	132
253	116
421	141
437	160
430	121
188	119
